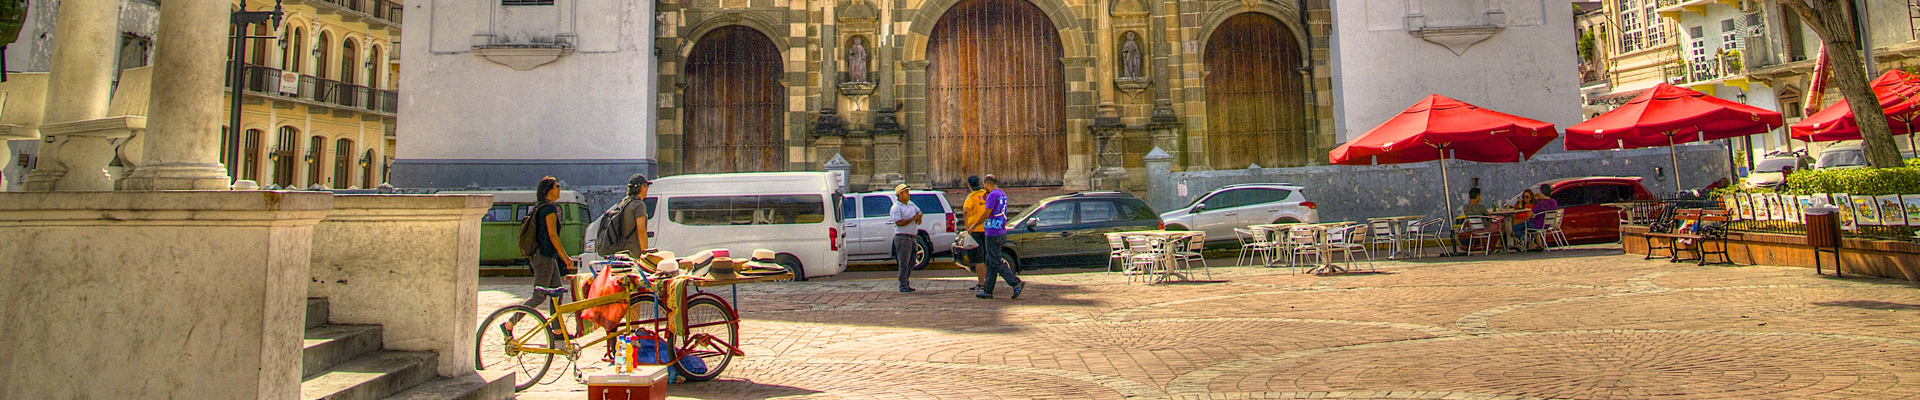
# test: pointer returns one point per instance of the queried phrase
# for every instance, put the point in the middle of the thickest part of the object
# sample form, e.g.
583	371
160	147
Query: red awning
1667	115
1616	96
1896	91
1473	133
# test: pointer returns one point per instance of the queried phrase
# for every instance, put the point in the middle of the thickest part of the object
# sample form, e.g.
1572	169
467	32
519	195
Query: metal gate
995	96
1255	100
734	102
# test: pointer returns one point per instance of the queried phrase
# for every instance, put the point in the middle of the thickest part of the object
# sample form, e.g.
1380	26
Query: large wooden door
995	96
1255	103
734	103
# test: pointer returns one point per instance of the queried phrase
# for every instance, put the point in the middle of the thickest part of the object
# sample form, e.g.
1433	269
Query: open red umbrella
1899	95
1667	115
1439	128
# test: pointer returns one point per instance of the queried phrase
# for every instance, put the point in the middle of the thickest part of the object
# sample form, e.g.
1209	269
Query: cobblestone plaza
1588	323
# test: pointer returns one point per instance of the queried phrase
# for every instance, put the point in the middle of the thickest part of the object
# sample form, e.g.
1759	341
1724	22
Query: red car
1588	219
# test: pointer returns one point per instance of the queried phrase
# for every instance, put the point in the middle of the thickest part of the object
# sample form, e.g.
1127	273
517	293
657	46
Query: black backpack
530	231
610	239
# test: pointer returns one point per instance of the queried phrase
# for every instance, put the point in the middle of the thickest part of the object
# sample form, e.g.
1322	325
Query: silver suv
1236	206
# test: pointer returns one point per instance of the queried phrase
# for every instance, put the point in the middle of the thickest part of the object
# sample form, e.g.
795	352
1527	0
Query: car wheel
792	264
922	252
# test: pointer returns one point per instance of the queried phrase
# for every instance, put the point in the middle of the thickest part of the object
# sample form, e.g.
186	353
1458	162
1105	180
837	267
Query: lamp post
242	20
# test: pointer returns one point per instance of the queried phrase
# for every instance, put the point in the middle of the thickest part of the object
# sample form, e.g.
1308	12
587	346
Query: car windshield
1842	158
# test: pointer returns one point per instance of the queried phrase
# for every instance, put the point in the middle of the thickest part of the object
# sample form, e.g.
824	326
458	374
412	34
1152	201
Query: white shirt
903	212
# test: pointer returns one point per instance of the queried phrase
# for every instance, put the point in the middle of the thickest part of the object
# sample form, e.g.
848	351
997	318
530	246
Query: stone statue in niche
1130	57
857	60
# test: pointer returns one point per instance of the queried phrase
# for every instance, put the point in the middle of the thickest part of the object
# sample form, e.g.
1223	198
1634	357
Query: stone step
330	345
482	385
373	376
316	312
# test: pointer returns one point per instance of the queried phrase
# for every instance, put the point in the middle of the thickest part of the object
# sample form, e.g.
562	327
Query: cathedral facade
1068	93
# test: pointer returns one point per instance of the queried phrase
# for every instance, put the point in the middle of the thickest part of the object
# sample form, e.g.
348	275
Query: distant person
630	230
975	212
906	224
1473	206
550	256
996	238
1540	208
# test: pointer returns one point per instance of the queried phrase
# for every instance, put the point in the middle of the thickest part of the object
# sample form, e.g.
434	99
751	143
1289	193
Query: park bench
1707	226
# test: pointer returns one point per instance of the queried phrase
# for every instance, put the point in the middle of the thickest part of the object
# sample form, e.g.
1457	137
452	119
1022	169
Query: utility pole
236	72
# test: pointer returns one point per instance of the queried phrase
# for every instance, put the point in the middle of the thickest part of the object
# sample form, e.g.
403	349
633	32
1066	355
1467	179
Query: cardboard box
647	382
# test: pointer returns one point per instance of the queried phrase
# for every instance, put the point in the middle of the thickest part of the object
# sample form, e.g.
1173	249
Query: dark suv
1072	229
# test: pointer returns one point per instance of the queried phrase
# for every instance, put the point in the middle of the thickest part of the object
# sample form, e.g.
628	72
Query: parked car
1072	228
1842	154
1771	171
1585	217
1237	206
500	226
870	236
795	214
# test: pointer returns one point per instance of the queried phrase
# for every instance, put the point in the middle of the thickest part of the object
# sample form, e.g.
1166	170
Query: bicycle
712	329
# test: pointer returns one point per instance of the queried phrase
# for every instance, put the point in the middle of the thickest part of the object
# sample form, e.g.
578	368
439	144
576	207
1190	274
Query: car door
1221	214
1097	218
1578	212
876	234
1595	219
1260	206
1045	234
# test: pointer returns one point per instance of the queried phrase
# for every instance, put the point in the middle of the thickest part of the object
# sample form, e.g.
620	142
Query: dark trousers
546	274
996	268
903	253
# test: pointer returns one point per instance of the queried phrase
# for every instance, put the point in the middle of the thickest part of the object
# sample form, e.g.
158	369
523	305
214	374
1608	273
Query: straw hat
902	188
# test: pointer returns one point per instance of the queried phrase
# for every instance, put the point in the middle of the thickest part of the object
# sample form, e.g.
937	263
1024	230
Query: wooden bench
1670	228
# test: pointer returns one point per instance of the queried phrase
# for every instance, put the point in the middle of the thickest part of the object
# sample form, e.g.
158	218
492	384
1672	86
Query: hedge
1859	181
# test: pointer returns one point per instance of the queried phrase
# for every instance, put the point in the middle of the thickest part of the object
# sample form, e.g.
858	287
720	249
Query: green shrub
1858	181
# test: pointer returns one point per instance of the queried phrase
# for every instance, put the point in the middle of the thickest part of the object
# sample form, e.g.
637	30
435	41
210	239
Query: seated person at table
1540	208
1473	206
1493	224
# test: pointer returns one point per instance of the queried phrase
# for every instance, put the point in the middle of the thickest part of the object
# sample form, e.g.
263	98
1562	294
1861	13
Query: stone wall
1355	193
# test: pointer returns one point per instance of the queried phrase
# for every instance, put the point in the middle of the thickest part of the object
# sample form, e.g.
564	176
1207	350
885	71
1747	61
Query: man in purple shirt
1540	207
996	238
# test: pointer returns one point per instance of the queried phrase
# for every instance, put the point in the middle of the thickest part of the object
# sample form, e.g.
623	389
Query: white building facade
505	92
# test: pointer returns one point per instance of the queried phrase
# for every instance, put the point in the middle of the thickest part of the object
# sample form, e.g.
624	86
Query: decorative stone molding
856	89
1132	85
915	64
523	57
886	123
829	124
1457	39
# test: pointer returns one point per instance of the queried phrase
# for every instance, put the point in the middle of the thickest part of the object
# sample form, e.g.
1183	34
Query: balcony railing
382	9
266	81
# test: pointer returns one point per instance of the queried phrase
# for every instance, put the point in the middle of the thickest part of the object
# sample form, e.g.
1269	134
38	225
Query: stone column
79	84
183	143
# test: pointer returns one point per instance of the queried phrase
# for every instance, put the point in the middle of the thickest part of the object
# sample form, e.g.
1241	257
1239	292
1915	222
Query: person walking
546	262
996	232
906	223
630	230
975	211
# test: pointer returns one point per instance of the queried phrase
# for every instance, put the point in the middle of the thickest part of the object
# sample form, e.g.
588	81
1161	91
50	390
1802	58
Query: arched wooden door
1255	98
995	96
734	104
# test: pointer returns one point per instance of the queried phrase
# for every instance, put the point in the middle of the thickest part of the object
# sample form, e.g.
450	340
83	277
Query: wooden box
647	382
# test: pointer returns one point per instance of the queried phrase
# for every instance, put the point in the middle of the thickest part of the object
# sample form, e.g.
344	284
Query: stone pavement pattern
1582	324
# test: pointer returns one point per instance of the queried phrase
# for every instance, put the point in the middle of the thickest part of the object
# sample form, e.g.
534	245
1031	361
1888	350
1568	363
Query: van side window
1097	211
928	203
652	202
747	210
1056	214
875	206
849	207
499	213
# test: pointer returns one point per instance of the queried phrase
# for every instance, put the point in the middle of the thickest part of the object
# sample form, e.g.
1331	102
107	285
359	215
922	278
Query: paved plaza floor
1582	324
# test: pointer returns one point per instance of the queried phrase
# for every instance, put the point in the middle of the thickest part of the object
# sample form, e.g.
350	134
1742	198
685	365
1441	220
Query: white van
795	214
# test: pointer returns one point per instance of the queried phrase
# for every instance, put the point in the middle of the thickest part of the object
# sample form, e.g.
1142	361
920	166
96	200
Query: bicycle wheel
713	334
492	350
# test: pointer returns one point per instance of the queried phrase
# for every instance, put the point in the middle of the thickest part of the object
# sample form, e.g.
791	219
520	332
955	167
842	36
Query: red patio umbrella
1896	92
1668	115
1439	128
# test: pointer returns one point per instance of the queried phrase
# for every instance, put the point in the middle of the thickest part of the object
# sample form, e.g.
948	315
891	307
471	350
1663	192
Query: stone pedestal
143	295
390	260
889	161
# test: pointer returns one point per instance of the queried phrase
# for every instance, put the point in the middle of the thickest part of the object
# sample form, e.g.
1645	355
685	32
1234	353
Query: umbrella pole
1446	184
1675	154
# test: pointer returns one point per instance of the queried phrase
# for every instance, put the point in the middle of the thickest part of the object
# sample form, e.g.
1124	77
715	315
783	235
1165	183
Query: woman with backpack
548	255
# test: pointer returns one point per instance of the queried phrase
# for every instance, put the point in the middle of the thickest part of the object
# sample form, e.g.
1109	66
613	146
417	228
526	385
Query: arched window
296	46
316	160
320	53
342	163
367	163
348	54
250	150
259	46
285	151
376	67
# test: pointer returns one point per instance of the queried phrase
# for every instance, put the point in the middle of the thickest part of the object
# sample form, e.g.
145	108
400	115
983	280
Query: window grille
526	2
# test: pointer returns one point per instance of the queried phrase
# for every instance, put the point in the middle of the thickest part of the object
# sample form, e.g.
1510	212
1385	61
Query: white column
183	134
80	81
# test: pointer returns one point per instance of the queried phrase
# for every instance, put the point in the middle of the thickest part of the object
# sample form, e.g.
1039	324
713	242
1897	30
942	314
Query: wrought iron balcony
267	82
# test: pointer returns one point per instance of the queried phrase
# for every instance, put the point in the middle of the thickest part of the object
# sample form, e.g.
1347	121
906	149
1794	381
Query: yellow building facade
320	96
1642	50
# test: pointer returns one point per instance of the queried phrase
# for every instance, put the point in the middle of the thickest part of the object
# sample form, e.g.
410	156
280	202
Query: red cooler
646	382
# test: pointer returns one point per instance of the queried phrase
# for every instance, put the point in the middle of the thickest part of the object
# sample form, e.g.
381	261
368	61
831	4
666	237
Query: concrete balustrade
184	295
408	262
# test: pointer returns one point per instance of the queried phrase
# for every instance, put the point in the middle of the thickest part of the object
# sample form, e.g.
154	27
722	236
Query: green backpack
530	231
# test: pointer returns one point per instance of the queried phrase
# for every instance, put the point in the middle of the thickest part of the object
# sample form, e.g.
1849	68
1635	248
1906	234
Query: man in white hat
906	224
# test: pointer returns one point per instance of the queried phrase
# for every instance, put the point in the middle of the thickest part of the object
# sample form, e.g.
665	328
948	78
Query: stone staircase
346	362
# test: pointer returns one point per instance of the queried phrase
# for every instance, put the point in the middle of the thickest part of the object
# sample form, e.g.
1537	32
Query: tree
1833	21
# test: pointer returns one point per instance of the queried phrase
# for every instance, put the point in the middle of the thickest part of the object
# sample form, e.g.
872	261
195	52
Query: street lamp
242	20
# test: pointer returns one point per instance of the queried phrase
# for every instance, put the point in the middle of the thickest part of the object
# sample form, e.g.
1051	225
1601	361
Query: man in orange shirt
975	210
